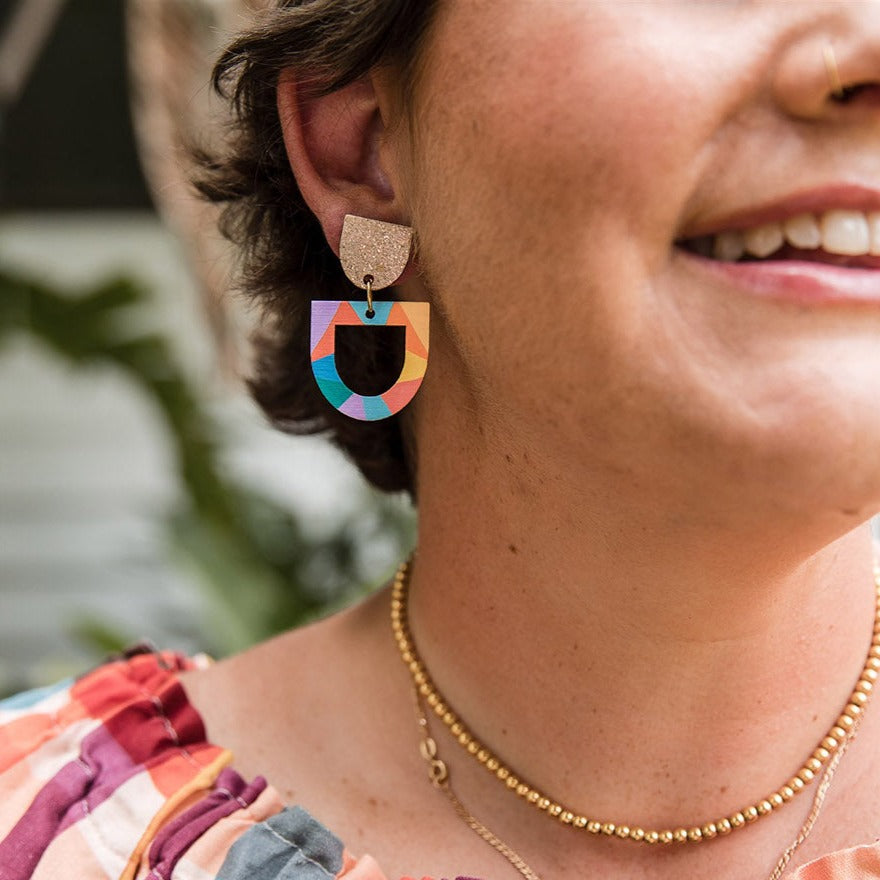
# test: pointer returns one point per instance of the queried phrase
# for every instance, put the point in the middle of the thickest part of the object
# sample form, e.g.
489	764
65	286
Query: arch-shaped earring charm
374	254
327	315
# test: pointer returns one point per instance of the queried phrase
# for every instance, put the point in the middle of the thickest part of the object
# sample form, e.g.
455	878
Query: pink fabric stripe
22	849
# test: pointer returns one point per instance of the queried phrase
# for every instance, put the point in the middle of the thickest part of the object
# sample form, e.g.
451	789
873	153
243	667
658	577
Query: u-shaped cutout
327	315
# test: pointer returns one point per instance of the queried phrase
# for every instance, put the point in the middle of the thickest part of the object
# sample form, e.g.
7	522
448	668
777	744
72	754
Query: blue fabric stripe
30	698
290	845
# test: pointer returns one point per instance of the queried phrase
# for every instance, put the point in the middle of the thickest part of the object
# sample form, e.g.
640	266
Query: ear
333	143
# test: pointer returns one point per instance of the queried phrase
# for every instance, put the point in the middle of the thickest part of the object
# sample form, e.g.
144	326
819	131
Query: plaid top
111	777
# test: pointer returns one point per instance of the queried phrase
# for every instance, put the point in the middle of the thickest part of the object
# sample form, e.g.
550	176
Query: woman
644	451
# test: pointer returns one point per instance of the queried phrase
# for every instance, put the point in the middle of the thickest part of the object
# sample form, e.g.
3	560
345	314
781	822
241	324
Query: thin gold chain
439	775
809	771
818	801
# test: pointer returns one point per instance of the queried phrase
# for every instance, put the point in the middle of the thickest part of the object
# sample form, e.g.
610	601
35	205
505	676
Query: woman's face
564	147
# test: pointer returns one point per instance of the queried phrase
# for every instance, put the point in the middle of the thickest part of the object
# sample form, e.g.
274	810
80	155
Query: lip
797	282
816	200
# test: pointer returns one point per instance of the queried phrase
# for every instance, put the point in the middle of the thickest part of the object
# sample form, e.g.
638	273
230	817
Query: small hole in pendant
370	314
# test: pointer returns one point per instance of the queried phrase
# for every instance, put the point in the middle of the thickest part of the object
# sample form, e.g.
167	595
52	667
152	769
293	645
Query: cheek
549	163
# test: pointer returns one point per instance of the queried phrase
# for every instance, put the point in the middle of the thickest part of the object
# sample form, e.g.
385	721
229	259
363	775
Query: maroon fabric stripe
230	793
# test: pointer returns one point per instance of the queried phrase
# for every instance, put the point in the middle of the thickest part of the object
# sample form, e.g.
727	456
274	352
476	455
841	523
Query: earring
374	255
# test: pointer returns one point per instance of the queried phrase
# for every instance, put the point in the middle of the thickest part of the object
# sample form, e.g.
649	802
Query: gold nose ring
831	67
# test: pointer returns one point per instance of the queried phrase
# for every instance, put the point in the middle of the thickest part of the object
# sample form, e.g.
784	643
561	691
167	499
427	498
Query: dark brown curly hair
285	259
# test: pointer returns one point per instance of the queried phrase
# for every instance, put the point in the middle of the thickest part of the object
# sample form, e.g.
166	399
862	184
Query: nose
833	67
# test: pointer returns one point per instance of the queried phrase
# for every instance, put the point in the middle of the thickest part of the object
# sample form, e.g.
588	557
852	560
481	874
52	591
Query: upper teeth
851	233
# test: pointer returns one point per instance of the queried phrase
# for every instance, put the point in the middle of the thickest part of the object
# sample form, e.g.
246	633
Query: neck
657	670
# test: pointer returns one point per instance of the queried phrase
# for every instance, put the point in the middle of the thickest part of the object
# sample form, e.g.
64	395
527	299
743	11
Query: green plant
262	570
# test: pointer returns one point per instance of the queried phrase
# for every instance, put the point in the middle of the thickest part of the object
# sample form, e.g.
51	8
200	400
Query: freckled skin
554	166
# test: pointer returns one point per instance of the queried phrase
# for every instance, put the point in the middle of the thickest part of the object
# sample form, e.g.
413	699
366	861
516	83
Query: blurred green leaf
260	570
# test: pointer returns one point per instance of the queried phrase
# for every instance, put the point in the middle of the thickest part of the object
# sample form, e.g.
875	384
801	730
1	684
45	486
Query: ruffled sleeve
111	777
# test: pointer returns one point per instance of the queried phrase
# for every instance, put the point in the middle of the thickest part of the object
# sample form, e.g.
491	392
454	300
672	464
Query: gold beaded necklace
826	755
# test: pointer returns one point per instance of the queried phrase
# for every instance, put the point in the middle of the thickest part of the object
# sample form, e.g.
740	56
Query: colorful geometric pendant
327	315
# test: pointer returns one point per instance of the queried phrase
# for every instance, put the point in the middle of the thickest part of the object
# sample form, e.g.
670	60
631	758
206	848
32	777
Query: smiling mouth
844	238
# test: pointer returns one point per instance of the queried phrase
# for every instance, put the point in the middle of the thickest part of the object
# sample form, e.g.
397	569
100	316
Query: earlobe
333	145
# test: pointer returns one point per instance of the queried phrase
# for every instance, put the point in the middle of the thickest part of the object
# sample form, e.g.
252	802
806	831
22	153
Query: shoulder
326	712
112	774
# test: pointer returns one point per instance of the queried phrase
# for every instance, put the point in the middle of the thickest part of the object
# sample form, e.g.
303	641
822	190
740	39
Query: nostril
849	94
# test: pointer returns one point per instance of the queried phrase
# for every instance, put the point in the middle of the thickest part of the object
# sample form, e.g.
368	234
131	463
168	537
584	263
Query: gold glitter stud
373	252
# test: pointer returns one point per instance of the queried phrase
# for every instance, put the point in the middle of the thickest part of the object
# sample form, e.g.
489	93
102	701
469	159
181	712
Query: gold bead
419	678
865	686
666	837
807	775
464	739
764	807
622	831
580	822
710	830
845	721
874	653
873	663
737	820
680	835
492	764
852	709
796	783
608	829
830	743
523	790
787	792
483	756
473	747
567	817
449	718
821	755
838	733
456	728
637	834
555	810
594	827
502	773
440	709
425	689
814	765
651	837
870	673
750	814
533	797
723	826
432	699
776	799
543	803
695	835
511	782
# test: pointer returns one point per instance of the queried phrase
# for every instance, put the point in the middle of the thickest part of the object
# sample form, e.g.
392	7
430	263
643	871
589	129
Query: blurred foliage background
235	534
